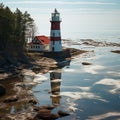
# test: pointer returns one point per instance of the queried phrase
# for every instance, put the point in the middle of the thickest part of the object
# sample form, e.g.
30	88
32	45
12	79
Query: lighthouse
55	33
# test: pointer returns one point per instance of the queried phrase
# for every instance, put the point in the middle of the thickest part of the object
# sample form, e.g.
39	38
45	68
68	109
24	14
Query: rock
36	108
86	63
33	101
5	118
116	51
45	114
54	116
2	90
99	43
62	114
11	99
36	68
48	107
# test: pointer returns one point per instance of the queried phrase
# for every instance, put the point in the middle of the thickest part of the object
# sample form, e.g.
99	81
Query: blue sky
77	15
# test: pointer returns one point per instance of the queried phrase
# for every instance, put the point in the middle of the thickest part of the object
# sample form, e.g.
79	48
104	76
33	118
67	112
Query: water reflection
55	80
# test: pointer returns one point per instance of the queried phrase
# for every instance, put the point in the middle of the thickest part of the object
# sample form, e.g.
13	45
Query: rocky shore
11	65
14	92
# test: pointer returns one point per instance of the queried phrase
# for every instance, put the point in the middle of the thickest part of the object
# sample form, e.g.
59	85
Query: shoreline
36	61
22	94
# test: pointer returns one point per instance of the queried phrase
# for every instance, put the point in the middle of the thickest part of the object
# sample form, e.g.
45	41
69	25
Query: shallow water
87	92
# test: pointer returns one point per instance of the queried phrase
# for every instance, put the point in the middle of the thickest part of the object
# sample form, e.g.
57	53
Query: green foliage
14	28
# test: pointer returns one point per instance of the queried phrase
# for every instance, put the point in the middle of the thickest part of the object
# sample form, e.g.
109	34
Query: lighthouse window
53	42
57	14
53	34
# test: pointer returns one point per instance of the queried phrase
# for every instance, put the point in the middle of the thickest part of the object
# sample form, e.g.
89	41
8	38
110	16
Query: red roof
40	40
43	39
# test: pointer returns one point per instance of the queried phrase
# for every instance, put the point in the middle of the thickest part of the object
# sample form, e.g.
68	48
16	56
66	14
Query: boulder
45	114
86	63
11	99
48	107
116	51
62	114
2	90
32	101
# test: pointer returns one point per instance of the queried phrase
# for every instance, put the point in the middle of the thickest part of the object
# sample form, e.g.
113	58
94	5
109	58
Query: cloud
61	2
104	116
111	82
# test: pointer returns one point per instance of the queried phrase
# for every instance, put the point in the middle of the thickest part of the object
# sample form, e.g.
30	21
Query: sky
78	16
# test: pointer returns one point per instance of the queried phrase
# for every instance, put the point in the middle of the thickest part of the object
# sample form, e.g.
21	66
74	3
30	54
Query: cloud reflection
112	82
105	116
82	95
113	73
93	69
78	87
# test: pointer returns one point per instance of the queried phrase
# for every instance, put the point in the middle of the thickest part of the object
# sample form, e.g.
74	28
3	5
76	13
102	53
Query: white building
39	43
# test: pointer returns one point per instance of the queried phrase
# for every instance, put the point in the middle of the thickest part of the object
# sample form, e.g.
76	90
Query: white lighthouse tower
55	34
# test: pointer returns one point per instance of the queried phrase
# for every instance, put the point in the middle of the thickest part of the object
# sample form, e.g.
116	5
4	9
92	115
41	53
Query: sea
112	35
87	92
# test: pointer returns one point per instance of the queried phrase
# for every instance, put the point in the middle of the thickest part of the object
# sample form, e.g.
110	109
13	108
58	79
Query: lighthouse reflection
55	80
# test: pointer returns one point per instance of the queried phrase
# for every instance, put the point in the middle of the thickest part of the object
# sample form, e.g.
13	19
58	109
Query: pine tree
15	28
6	26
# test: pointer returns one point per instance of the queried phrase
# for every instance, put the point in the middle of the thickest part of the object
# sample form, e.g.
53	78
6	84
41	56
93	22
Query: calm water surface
89	92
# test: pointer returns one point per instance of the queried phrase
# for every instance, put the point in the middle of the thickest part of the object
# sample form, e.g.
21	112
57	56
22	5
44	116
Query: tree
14	28
1	6
18	24
28	24
6	26
23	24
